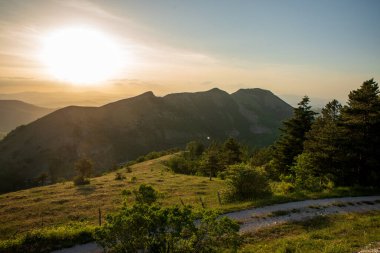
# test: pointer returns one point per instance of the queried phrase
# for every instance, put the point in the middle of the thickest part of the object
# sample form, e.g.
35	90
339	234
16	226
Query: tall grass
48	239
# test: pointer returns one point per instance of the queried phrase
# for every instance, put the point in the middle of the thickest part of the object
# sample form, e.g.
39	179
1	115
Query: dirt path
256	218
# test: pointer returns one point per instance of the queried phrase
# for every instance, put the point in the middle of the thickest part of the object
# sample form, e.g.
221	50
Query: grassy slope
337	233
62	203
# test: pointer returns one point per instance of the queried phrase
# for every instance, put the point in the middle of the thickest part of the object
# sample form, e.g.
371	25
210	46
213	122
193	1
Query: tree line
340	146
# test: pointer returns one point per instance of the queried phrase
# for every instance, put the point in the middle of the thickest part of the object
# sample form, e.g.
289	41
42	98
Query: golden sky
320	49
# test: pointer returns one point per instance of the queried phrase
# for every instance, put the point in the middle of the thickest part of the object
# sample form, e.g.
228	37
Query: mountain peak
257	91
216	90
147	94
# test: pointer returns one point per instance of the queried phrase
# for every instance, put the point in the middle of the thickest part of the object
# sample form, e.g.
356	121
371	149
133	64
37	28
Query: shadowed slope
125	129
14	113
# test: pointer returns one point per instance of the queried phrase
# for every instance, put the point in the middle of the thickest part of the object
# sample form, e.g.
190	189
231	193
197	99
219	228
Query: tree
290	143
231	152
211	162
148	227
324	147
361	120
194	150
84	168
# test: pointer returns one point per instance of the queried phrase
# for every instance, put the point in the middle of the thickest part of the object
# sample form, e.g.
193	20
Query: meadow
337	233
63	214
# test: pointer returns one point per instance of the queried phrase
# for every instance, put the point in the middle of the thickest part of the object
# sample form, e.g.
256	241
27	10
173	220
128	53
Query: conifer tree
361	119
290	143
323	146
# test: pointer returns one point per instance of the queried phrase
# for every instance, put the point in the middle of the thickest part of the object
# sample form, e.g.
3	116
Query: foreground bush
48	239
148	227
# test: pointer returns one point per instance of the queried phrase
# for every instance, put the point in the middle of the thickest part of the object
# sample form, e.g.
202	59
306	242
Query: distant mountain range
14	113
123	130
63	99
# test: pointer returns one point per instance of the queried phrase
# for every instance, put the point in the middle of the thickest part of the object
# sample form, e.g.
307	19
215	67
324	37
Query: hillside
125	129
14	113
62	203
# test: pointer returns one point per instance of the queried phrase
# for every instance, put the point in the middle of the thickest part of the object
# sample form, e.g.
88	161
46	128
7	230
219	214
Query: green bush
246	182
148	227
306	177
179	164
282	187
145	194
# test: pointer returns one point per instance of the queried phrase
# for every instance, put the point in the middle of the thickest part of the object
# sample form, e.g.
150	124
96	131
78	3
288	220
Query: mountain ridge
125	129
14	113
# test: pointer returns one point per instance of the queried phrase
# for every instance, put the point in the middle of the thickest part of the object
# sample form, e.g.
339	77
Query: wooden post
219	199
203	204
100	217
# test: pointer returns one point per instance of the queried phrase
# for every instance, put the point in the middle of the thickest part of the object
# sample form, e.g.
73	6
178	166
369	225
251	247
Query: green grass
48	239
337	233
63	203
279	213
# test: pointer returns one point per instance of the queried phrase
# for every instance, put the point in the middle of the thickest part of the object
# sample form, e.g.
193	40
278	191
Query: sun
81	55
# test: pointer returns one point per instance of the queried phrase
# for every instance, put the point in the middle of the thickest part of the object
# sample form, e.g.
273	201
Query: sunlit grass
336	233
62	203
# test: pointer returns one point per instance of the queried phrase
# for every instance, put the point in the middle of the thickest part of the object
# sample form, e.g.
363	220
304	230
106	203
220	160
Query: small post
203	204
100	217
182	201
219	199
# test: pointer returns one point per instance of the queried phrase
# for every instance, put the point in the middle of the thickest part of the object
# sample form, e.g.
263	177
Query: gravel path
256	218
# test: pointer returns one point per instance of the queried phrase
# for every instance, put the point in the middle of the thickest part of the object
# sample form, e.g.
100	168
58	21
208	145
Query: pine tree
231	152
361	119
324	145
290	143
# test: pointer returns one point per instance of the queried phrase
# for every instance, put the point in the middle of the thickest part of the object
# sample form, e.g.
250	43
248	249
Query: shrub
148	227
80	180
119	176
145	194
307	178
133	179
178	164
246	182
128	169
282	187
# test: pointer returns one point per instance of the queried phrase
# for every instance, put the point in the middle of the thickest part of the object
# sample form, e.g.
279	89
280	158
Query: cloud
92	8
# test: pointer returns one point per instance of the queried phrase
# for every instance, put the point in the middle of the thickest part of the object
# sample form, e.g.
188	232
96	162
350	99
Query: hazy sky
320	48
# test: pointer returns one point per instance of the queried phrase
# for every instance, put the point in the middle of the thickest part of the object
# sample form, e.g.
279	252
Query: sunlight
81	55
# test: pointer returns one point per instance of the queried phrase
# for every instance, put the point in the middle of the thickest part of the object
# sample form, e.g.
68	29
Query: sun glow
81	55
